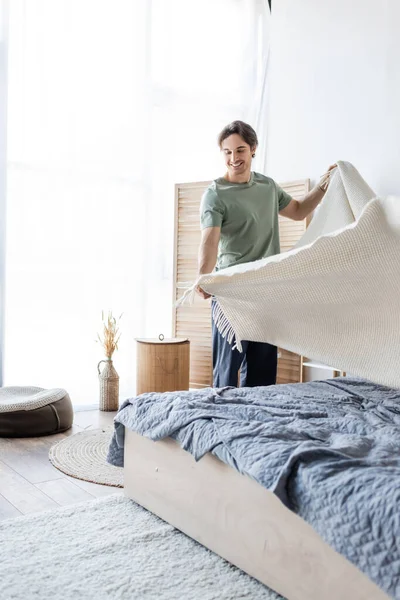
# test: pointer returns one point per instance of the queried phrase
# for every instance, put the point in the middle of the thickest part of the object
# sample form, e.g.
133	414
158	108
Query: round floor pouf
33	411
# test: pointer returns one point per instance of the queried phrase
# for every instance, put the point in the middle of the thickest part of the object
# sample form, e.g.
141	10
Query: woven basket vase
109	386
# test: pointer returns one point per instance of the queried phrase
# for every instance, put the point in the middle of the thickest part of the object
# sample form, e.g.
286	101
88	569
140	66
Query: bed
298	485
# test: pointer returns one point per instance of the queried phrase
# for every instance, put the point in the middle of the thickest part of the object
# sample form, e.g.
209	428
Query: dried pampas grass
111	335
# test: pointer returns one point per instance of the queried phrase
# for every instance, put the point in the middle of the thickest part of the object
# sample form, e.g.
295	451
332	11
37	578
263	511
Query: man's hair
240	128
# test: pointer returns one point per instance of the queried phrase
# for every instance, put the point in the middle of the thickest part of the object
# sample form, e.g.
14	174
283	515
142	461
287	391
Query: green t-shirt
248	216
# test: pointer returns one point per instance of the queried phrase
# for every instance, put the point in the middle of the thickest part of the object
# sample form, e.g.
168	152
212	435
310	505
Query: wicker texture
162	366
28	398
109	386
83	456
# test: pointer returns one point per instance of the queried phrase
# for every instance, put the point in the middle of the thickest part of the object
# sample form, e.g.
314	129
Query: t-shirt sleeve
211	210
283	198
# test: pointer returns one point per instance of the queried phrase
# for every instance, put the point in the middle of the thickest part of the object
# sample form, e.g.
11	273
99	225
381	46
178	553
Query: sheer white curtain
110	104
3	168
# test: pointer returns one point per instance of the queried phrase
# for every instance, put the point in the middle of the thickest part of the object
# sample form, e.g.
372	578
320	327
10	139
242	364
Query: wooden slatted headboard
194	322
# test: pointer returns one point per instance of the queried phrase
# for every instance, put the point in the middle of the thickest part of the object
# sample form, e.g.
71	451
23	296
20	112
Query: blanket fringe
220	320
225	328
188	295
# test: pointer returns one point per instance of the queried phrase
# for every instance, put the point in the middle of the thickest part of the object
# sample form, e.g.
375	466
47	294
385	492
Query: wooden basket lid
162	340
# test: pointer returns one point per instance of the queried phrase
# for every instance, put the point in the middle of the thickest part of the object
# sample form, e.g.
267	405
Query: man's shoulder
210	195
211	190
212	187
263	179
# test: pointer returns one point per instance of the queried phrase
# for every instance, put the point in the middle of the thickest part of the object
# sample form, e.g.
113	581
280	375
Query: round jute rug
83	456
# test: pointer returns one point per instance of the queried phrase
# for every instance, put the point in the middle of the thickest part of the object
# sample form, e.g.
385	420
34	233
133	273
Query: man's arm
299	210
208	253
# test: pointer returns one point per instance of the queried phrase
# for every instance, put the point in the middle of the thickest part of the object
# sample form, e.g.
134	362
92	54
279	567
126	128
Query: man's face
237	155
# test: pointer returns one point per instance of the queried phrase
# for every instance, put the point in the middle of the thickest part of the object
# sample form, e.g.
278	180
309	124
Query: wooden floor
28	481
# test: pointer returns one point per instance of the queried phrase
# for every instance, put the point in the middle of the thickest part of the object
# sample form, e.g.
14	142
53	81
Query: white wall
335	89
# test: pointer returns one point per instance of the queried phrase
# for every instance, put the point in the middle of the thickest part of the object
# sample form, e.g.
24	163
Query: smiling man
239	222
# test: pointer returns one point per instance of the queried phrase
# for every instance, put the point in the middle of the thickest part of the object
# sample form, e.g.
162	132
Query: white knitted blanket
335	298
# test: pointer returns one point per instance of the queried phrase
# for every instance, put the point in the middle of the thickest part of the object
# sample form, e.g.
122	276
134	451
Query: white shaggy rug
112	549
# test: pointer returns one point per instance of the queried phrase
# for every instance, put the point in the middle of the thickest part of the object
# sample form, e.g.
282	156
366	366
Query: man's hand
300	210
202	293
324	182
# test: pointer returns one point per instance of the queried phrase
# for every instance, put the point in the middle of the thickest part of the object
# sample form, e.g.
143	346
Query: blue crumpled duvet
330	450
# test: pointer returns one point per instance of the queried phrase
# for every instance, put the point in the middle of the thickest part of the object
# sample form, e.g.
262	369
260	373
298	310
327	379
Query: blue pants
257	363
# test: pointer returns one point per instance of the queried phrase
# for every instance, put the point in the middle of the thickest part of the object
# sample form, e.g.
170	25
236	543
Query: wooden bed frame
238	519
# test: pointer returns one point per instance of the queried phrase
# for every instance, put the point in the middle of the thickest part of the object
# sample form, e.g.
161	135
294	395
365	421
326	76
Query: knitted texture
28	398
336	296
